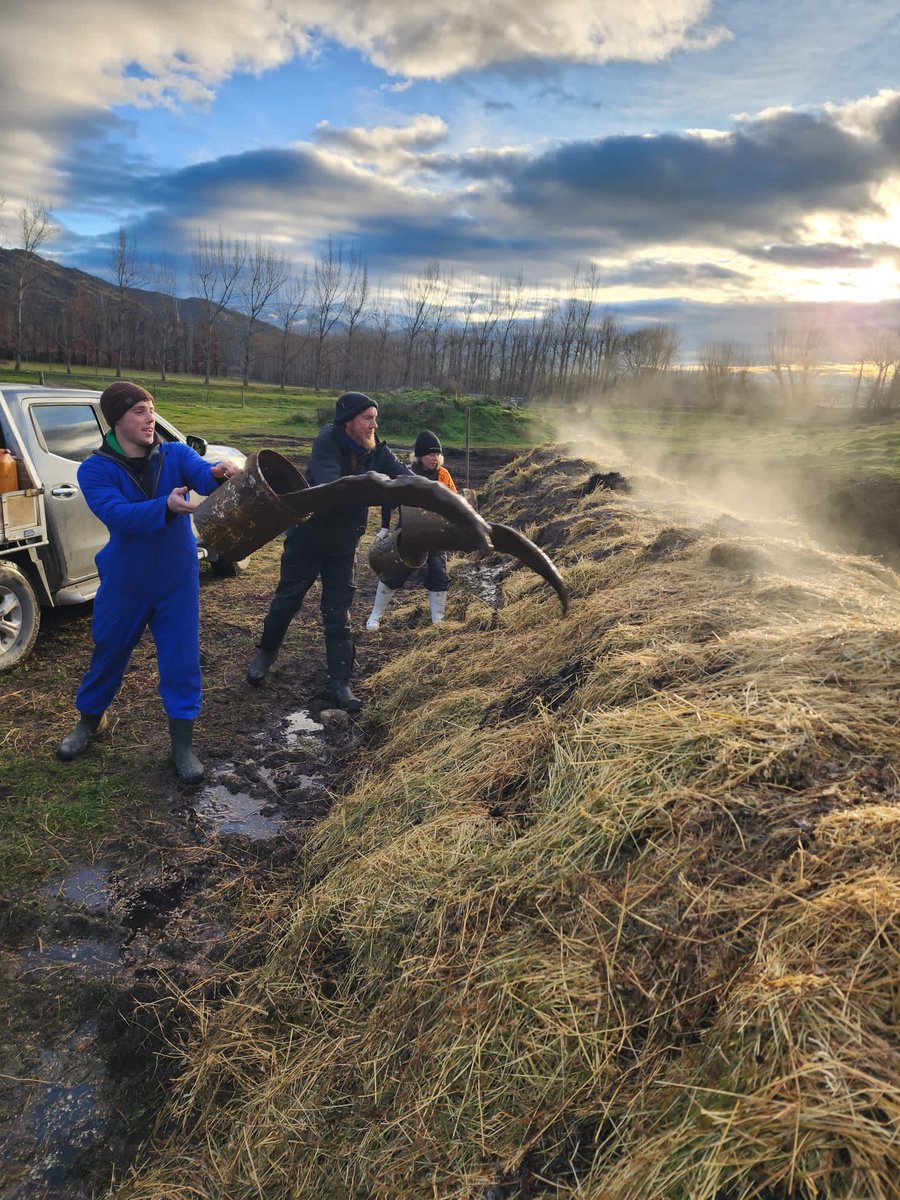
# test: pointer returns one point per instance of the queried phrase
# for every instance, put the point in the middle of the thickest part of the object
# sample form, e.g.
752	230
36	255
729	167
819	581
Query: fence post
468	437
41	378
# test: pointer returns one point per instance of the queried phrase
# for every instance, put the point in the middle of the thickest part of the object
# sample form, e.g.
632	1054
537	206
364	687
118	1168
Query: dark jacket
331	458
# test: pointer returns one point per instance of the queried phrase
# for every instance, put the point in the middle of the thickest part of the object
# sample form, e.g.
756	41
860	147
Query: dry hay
612	911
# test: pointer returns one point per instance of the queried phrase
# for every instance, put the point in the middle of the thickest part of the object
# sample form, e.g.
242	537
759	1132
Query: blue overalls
148	575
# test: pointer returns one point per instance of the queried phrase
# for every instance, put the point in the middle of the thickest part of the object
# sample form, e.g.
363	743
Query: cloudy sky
719	164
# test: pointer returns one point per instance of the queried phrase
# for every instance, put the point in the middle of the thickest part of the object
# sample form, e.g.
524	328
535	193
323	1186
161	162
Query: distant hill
53	285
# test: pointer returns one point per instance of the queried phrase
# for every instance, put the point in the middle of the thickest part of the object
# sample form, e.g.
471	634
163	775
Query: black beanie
427	443
119	397
350	405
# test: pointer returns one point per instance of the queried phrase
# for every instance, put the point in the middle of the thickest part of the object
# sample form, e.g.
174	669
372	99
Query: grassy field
838	442
224	411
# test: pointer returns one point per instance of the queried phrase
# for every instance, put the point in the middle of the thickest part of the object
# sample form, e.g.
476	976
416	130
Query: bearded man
324	546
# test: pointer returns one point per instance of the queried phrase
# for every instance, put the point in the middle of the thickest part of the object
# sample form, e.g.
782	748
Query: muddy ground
106	960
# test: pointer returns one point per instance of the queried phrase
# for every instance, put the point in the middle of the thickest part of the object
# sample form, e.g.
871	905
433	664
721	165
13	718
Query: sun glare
864	285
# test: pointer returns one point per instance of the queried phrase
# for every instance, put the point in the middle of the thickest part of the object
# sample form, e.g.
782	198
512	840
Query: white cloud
428	39
388	147
61	63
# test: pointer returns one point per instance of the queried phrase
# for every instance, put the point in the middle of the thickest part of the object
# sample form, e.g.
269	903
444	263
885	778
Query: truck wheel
225	568
20	616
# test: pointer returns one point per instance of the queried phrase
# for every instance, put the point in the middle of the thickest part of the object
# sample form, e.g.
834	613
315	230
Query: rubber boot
187	764
383	596
76	742
437	602
340	657
259	668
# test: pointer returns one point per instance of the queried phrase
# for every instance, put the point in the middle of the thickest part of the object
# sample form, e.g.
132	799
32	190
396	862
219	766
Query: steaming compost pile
611	911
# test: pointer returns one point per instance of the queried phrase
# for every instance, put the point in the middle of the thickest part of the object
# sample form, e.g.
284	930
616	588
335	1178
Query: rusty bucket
248	510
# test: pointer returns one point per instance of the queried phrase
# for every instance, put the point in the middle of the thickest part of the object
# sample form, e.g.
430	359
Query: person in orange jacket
428	460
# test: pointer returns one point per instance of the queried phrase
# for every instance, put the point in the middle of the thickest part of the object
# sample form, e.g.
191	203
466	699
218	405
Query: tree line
254	315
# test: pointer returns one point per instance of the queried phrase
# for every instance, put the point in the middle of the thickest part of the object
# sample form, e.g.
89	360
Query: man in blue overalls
139	488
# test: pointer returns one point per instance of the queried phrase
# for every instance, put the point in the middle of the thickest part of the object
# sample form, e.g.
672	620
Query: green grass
46	814
224	411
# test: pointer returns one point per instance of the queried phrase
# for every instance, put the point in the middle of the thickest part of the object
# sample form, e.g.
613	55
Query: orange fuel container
9	476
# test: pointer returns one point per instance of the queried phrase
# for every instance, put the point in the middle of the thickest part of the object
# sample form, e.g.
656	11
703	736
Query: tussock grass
612	911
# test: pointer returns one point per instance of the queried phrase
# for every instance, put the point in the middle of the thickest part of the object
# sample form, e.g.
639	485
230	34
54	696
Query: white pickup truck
48	535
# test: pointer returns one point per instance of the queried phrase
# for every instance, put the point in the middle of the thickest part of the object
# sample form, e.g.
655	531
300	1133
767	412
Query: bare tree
382	320
437	317
567	333
357	301
167	314
605	351
794	357
460	347
650	350
484	346
512	304
265	271
129	273
217	266
37	227
332	282
587	285
418	295
65	330
288	307
883	354
718	363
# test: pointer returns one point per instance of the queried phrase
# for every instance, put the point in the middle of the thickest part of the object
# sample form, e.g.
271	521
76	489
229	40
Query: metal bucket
248	510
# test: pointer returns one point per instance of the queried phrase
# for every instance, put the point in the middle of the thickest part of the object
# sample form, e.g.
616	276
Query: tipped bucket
247	510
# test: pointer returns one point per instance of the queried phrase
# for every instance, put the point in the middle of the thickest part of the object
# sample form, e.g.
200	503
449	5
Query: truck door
66	432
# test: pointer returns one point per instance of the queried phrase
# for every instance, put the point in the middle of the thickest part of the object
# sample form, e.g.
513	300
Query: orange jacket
446	478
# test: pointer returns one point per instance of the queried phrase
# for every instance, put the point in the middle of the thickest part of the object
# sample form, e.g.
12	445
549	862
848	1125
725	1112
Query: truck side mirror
197	443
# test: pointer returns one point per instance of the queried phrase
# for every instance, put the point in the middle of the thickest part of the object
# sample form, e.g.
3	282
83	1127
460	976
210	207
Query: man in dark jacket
140	488
325	545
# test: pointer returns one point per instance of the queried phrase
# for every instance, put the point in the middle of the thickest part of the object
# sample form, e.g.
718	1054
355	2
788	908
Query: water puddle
236	814
86	956
489	581
87	887
299	723
64	1115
